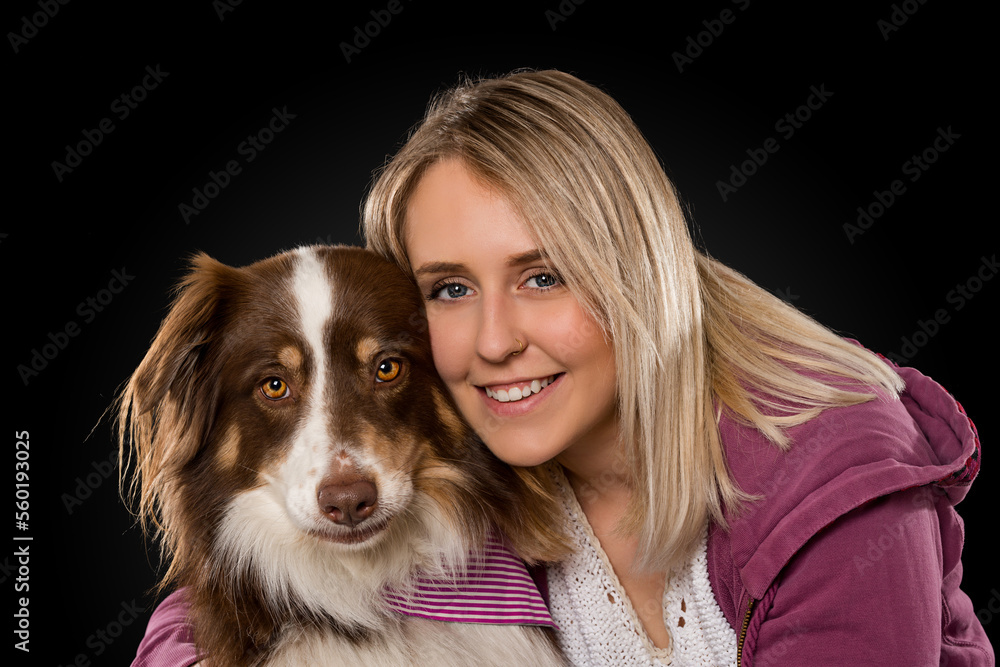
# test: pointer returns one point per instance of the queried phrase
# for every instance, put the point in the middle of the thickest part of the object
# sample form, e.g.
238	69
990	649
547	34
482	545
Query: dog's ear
167	407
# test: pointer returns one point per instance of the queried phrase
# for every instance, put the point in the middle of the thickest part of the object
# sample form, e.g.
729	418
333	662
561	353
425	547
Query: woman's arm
168	641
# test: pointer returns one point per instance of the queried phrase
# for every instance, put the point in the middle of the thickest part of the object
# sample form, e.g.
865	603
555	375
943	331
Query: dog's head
300	391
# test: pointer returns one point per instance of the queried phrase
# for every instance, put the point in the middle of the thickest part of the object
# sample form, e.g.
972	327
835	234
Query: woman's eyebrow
526	257
439	267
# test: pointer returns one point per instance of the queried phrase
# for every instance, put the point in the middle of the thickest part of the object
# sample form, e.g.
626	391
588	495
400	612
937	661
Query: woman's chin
520	455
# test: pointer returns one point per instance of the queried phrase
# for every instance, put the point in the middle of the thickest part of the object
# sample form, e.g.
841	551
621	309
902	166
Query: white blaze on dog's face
329	409
321	455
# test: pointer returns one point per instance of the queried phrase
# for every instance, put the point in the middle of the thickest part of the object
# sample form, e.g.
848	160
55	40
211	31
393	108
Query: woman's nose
498	332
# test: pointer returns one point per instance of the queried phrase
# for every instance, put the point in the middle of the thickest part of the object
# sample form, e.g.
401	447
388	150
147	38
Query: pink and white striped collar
496	589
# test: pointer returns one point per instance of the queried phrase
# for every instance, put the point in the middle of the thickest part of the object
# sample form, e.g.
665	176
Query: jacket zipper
743	633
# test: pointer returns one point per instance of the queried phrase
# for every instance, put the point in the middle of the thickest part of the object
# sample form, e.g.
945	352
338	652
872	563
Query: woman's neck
597	470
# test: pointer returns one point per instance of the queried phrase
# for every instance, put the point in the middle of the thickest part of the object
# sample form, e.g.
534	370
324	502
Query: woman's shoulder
838	461
923	436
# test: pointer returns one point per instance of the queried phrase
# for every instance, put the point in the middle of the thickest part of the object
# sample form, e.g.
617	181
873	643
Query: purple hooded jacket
852	555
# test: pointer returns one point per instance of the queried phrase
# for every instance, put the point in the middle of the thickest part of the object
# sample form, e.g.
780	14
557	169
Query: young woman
730	481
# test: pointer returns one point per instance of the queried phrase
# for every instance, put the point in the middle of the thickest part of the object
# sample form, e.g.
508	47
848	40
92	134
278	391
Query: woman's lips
515	391
510	400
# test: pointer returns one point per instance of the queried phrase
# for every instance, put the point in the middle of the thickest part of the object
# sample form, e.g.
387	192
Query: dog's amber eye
387	371
274	388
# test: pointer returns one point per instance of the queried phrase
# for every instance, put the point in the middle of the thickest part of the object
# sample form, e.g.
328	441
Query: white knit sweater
597	624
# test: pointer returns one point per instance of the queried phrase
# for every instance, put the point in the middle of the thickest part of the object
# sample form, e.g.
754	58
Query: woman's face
489	294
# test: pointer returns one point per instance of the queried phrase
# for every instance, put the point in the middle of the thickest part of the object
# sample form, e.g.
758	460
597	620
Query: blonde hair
690	335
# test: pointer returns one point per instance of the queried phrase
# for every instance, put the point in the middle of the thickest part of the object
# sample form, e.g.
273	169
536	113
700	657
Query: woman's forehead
451	215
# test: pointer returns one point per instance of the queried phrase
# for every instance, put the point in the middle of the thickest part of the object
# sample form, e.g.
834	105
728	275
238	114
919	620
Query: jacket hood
838	461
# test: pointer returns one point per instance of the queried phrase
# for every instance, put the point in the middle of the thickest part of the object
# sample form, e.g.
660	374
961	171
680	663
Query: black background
118	210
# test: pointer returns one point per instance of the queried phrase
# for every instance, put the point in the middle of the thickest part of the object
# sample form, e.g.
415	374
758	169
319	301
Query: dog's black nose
348	504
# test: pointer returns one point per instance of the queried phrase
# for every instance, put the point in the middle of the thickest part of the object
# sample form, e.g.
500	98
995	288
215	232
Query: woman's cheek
445	348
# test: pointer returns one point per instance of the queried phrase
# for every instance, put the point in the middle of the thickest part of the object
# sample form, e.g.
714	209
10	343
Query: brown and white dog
296	450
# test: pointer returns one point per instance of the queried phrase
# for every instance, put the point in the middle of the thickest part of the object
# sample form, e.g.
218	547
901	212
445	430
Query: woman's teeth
516	393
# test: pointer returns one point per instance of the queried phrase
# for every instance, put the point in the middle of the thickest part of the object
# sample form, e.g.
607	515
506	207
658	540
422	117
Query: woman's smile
519	398
517	390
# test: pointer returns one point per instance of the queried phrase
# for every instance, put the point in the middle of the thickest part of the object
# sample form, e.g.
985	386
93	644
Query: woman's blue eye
543	280
450	291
